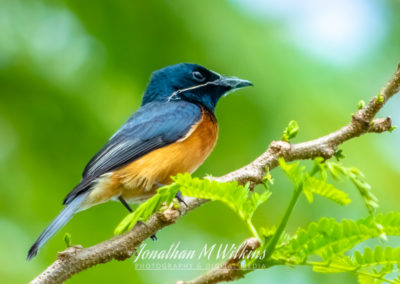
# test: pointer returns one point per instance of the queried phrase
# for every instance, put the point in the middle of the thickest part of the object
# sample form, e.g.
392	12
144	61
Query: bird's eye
198	76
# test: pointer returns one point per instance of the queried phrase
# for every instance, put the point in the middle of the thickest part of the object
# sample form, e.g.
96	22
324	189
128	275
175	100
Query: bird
173	131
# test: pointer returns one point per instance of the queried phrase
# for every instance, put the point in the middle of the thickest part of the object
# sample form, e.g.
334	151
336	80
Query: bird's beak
233	82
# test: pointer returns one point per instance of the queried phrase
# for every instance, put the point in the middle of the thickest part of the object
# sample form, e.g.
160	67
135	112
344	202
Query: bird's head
190	82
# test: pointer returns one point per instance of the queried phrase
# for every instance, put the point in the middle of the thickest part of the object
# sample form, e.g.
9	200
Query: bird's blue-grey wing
153	126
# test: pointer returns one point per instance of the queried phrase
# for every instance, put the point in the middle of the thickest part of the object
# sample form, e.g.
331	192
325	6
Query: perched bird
173	132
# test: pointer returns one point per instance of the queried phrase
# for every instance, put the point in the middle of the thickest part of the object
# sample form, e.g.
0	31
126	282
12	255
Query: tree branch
230	269
75	259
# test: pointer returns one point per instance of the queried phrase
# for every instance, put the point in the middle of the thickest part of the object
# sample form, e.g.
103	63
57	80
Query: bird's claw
179	196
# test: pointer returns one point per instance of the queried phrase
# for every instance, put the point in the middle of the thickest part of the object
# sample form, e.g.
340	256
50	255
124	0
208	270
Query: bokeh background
71	72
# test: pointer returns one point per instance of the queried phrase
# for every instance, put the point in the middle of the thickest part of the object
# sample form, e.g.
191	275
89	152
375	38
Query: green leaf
312	185
68	240
293	171
290	131
326	269
361	104
380	98
320	187
340	172
328	238
365	279
367	273
237	197
371	266
339	155
267	180
165	194
267	232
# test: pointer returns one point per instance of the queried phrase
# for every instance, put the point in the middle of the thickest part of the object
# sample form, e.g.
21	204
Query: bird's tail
65	215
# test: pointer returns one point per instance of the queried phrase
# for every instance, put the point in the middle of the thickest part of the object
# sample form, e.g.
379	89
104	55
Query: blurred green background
71	72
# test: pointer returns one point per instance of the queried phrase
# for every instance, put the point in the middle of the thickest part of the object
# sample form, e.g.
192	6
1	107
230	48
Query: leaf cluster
239	198
327	245
164	196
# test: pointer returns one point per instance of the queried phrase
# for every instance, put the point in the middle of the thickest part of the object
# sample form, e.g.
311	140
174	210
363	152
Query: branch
362	122
75	259
230	269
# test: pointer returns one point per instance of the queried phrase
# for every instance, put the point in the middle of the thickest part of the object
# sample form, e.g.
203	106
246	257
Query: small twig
230	269
72	261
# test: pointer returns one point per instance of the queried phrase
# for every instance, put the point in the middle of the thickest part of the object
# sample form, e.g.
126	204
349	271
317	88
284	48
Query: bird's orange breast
139	179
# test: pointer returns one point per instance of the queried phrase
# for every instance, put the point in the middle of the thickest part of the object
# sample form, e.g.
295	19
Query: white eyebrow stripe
187	89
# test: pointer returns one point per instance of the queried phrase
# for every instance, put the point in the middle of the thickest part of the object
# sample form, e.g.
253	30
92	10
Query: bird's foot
179	196
152	237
